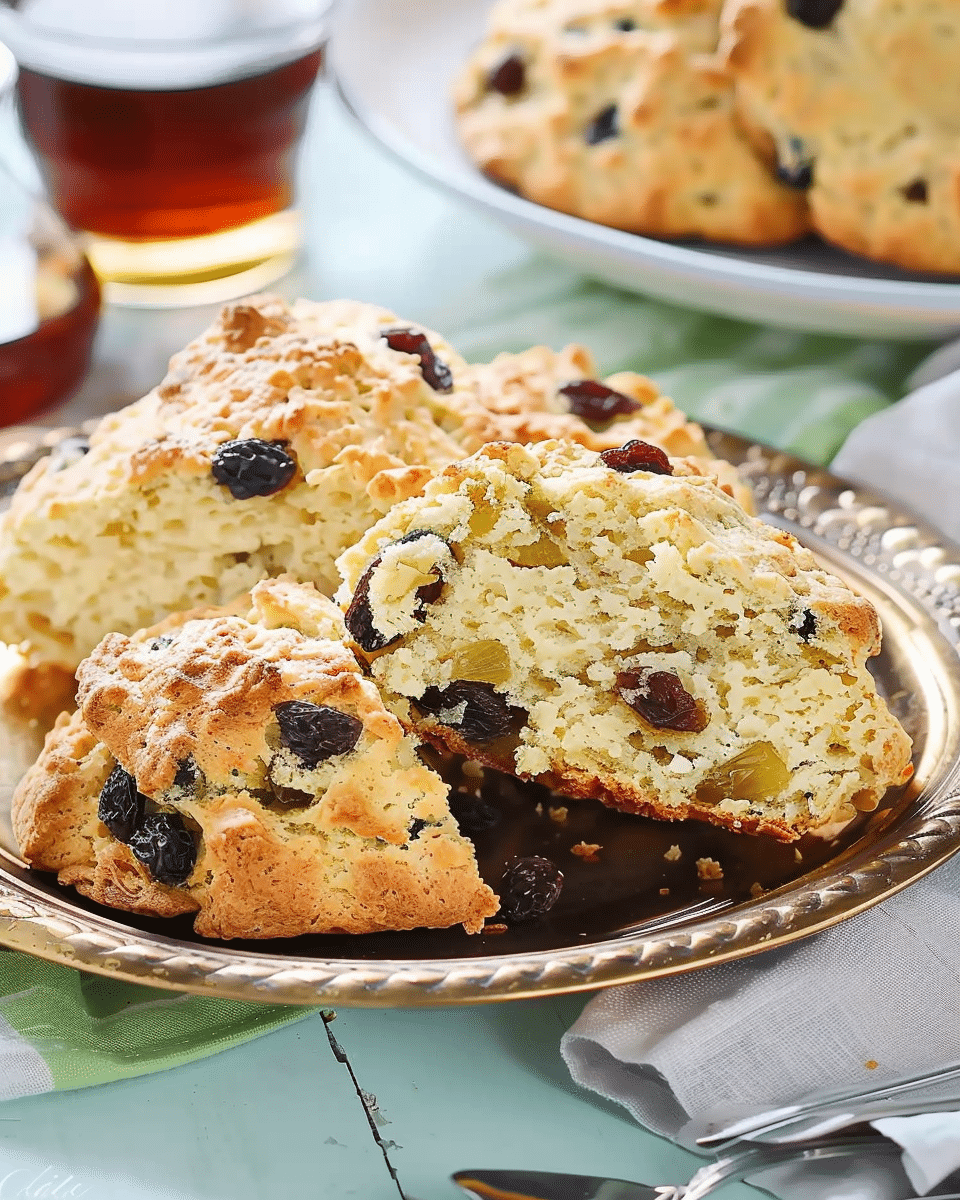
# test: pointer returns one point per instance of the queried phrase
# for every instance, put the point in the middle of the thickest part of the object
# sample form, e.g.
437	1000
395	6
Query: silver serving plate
632	915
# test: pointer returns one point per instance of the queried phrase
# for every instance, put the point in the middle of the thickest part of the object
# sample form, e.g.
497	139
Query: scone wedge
235	764
275	440
615	625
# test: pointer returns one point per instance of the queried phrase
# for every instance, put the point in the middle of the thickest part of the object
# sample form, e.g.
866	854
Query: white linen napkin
875	998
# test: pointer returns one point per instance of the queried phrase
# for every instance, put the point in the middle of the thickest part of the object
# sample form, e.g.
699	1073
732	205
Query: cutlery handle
757	1157
851	1102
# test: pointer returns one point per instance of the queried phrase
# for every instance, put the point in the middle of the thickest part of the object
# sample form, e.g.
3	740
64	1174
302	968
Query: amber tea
44	365
152	164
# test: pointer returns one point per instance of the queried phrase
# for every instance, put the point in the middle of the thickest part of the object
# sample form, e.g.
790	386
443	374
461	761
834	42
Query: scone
615	625
275	440
619	111
855	103
235	764
542	394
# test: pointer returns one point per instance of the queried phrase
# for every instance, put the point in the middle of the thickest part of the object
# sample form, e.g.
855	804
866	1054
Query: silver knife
548	1185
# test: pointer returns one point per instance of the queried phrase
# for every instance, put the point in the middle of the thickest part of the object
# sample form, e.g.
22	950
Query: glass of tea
168	134
49	297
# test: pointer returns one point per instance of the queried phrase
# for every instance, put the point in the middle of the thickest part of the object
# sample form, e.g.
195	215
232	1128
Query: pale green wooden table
282	1117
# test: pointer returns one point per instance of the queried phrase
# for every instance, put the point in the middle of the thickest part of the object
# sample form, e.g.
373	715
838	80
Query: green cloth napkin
60	1028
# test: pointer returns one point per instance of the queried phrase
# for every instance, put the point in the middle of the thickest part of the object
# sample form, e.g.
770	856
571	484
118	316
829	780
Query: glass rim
94	58
8	69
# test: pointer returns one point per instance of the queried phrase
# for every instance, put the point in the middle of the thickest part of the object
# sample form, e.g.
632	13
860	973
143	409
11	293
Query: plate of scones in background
341	669
788	161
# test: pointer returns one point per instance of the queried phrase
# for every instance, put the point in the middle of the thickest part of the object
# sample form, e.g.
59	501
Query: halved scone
615	625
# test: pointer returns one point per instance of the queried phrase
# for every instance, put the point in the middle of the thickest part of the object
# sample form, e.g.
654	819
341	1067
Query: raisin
358	617
472	815
662	700
797	175
165	847
509	76
68	451
121	806
476	710
915	192
637	456
252	467
187	776
529	888
596	403
806	625
315	732
625	24
817	14
434	370
604	125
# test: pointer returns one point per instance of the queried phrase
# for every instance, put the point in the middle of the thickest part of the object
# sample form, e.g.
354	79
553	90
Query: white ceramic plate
393	61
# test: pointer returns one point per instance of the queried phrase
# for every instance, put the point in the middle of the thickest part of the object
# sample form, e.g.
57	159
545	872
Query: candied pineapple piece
756	773
482	662
543	553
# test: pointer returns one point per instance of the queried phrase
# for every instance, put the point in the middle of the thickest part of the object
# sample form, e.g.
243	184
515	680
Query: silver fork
796	1122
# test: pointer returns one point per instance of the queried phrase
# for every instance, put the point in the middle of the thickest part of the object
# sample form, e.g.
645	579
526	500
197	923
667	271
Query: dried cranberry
915	192
806	625
165	847
315	732
509	76
662	700
637	456
604	125
529	888
252	467
472	814
121	806
358	617
817	14
434	370
596	403
476	710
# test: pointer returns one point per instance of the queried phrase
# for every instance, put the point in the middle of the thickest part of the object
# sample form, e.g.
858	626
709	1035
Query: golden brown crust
362	840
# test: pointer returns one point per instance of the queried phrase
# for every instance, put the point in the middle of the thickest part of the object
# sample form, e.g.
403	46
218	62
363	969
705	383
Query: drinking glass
49	297
168	134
